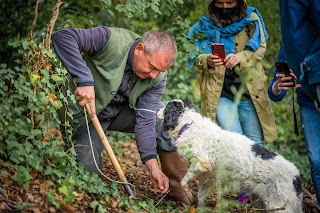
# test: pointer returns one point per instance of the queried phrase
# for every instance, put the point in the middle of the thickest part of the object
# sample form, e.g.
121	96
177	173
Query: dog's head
171	113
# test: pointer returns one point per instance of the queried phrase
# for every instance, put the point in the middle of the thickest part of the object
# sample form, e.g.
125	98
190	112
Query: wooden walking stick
110	152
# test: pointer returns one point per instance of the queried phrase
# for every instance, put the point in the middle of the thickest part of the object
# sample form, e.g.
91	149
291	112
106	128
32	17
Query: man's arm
147	106
70	44
159	180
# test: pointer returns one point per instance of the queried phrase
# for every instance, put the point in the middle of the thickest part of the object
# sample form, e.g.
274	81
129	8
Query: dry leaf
191	209
48	66
36	210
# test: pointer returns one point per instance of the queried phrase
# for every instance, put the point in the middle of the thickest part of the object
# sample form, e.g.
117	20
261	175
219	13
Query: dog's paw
188	191
184	186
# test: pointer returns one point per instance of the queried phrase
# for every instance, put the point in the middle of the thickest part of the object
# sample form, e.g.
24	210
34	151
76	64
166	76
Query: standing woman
234	89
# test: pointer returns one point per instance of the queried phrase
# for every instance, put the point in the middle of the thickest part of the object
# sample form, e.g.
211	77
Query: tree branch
50	26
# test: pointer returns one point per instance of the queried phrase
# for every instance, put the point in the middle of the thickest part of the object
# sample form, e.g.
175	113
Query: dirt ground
15	198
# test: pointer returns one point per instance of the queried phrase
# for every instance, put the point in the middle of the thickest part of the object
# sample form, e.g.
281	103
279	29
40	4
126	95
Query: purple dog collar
184	127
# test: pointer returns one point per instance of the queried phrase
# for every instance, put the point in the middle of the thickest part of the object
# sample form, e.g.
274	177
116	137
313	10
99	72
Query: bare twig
33	24
310	200
50	26
307	193
9	203
269	210
162	197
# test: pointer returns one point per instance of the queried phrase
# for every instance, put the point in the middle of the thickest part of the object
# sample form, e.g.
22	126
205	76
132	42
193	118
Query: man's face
149	66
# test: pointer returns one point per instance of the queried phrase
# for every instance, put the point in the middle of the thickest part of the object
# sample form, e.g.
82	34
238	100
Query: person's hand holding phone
214	61
285	82
218	55
218	52
286	79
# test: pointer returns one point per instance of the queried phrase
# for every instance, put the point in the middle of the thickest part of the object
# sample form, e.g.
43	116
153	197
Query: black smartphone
284	68
218	49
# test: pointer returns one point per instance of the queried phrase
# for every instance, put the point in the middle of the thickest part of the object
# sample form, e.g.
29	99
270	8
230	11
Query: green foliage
223	186
2	191
95	205
117	139
30	98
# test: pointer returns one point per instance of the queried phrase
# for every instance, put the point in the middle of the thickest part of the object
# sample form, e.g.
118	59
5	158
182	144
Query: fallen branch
9	204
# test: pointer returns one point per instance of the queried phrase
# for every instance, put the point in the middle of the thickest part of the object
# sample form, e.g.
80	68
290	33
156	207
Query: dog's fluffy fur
266	175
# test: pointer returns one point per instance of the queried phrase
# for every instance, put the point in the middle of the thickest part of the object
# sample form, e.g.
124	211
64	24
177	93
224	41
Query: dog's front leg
194	170
187	179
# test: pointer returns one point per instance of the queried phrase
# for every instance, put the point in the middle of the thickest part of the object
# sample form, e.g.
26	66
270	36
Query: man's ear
139	49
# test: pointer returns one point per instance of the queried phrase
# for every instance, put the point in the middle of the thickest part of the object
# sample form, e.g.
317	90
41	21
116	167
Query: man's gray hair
159	40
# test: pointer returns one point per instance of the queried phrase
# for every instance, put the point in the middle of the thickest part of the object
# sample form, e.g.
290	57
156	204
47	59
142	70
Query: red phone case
218	49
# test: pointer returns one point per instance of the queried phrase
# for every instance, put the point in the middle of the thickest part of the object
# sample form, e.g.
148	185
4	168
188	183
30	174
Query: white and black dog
266	175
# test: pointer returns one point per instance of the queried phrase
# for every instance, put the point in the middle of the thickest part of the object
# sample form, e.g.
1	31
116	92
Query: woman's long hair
241	13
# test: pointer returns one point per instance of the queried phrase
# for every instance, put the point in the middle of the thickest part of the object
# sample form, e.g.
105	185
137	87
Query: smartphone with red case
218	49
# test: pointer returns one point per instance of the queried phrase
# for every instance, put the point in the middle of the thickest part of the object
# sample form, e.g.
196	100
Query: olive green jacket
250	71
107	69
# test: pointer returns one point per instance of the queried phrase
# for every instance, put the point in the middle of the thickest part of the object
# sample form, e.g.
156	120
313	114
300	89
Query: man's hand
85	95
159	180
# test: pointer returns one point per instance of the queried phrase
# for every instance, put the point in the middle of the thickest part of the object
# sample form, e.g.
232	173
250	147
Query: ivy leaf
34	78
94	204
183	148
188	154
56	78
52	199
194	160
25	44
143	204
63	190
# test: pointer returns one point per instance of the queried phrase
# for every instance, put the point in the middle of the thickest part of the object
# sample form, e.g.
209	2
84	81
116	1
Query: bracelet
274	92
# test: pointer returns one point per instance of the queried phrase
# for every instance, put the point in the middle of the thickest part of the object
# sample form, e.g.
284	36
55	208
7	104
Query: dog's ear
187	104
172	113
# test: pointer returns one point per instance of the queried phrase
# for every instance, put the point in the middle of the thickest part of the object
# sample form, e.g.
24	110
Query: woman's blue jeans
241	118
310	120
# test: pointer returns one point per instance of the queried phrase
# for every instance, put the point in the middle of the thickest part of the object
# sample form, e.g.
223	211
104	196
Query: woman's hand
214	61
231	61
